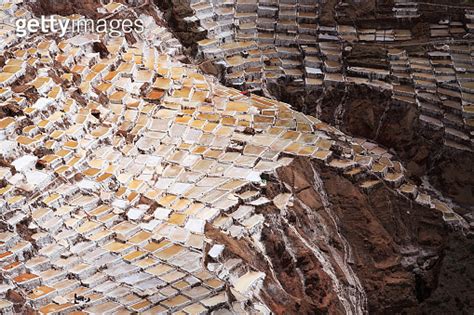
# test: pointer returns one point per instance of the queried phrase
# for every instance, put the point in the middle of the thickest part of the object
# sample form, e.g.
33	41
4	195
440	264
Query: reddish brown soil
87	8
380	228
290	298
403	253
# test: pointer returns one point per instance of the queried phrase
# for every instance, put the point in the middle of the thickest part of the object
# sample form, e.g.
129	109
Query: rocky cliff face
339	249
365	112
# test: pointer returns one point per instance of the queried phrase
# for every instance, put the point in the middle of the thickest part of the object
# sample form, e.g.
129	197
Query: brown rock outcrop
401	252
47	7
372	114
